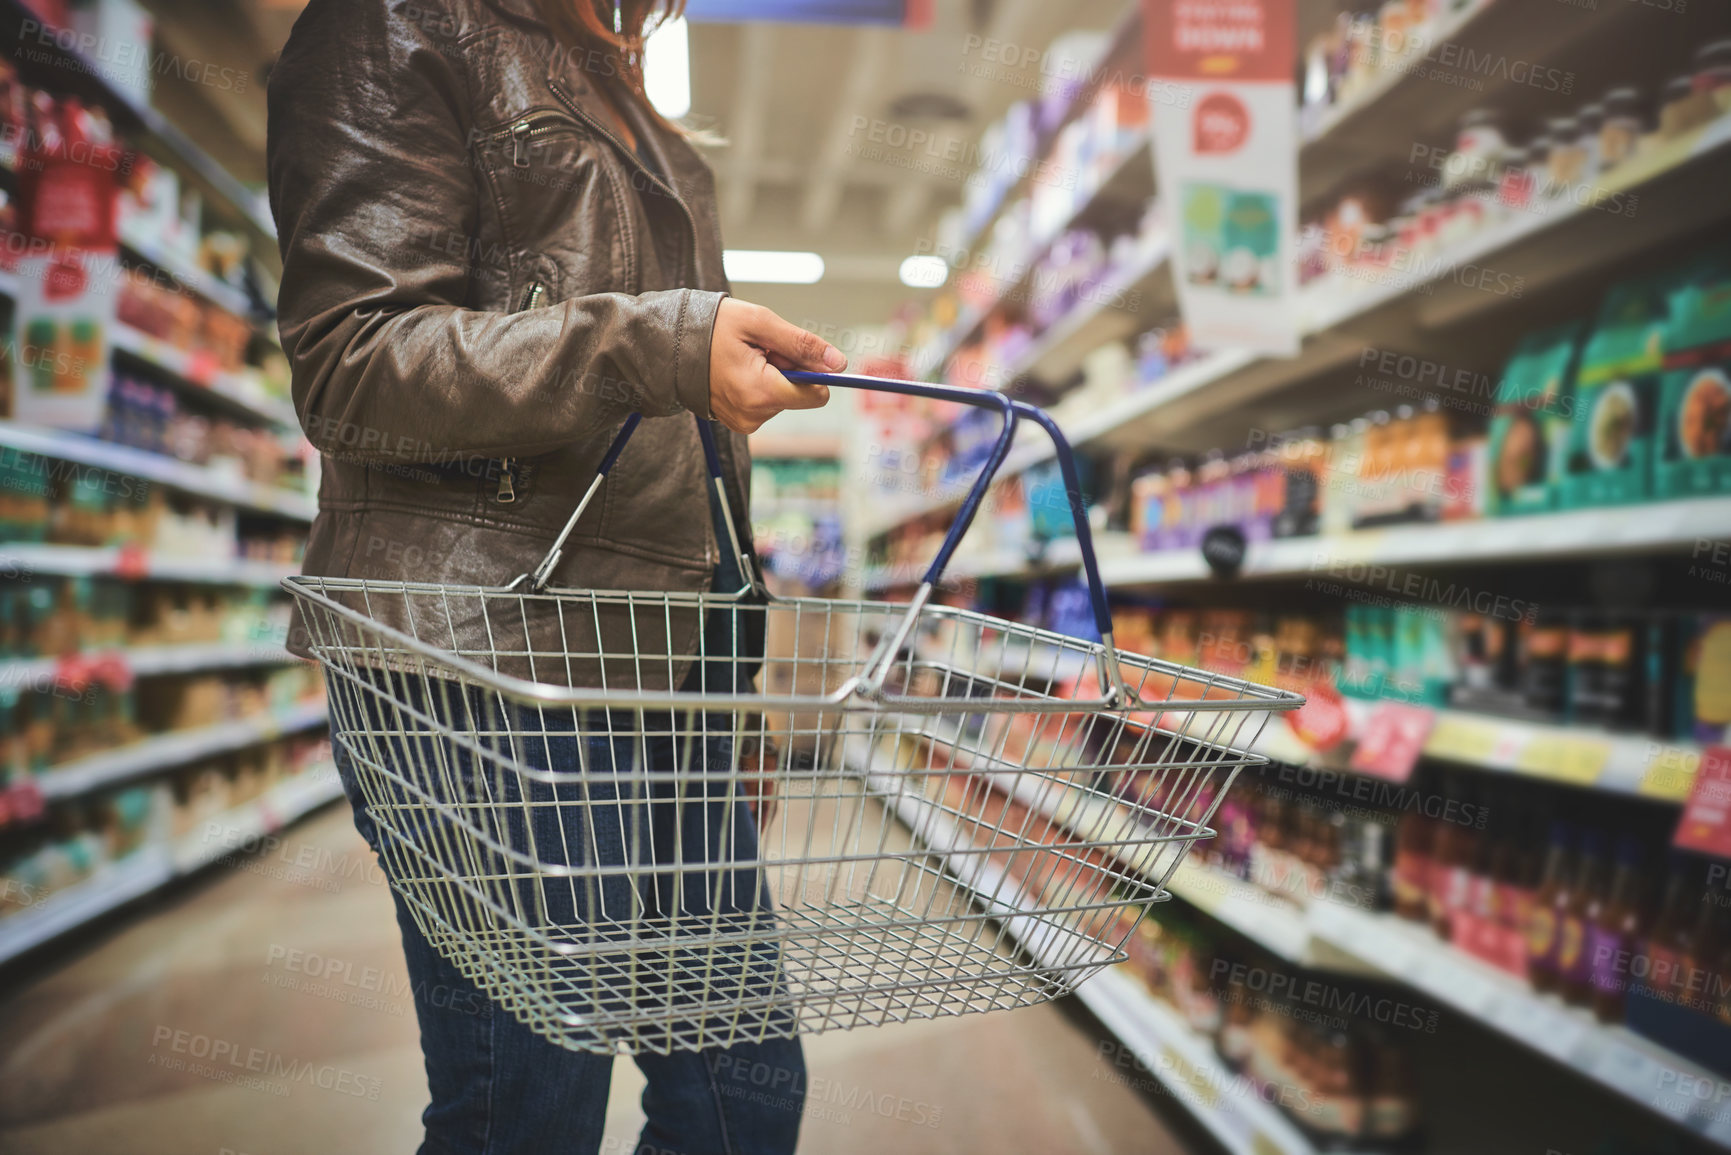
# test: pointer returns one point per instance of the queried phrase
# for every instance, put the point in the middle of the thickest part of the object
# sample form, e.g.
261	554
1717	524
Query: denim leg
495	1086
745	1100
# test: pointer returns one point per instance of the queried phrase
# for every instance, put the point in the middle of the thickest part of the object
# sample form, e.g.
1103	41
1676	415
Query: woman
493	250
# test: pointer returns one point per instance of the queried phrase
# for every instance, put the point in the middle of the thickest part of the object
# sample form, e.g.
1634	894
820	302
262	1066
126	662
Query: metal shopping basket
917	811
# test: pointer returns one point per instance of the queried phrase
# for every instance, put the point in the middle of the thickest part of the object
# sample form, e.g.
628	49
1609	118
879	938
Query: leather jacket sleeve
370	174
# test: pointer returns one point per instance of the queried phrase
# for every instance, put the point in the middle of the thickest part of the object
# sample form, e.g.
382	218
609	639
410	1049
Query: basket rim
1238	693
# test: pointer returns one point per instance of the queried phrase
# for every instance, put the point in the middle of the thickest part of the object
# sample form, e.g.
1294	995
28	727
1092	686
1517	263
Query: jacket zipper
635	161
523	131
507	492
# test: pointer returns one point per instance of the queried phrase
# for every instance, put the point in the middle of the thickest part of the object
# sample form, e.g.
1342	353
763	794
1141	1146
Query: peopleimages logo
1324	997
227	1061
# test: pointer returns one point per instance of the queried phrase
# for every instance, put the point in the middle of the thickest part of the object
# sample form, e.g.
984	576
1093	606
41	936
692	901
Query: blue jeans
499	1088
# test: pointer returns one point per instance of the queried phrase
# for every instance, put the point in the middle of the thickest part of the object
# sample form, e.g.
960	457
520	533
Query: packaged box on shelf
1693	446
1610	454
1529	431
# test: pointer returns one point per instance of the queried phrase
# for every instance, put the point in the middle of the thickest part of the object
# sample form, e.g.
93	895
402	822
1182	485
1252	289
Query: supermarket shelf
1582	756
1032	446
148	661
210	484
1128	32
1129	182
153	867
52	63
79	561
1614	1058
1115	310
1264	918
1598	531
191	277
1464	65
1343	316
1655	525
176	748
1225	1104
201	373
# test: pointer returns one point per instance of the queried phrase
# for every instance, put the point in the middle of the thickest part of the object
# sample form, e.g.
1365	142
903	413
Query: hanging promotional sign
1226	163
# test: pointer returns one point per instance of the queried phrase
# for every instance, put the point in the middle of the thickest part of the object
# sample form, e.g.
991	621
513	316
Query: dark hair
616	30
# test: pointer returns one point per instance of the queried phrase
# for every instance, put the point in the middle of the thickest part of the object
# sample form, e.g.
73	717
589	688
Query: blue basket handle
1012	412
1111	676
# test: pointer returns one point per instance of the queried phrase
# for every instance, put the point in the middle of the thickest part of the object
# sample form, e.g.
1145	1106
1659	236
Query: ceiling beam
750	114
833	158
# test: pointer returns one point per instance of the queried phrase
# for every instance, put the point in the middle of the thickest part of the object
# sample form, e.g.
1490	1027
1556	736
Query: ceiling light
924	272
667	69
769	267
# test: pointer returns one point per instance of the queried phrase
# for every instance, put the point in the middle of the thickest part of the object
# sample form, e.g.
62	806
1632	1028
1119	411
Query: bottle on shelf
1612	936
1552	897
1414	840
1586	904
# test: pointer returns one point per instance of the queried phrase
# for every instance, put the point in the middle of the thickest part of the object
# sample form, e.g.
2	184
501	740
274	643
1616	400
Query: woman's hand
748	349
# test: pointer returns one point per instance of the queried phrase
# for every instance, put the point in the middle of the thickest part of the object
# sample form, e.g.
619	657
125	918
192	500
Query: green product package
1530	426
1693	446
1610	447
1694	443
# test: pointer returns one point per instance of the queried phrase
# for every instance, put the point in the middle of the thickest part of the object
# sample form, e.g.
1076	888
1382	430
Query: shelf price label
132	563
1459	739
1670	772
202	368
1577	761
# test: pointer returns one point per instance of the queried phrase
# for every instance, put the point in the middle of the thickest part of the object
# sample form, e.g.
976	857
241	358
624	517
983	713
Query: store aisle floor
125	1049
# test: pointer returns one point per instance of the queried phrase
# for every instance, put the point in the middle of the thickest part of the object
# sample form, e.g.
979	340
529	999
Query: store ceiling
796	170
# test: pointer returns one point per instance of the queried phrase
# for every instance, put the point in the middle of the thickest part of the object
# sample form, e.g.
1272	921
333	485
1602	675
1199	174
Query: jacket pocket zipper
523	131
507	491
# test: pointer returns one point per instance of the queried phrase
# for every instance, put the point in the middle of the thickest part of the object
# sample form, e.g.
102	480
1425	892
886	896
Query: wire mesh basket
913	811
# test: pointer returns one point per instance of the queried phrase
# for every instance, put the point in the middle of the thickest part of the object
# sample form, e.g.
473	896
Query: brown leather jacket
480	281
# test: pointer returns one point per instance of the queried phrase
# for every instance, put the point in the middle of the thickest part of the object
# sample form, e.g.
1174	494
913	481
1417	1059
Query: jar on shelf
1566	166
1620	131
1712	76
1683	107
1515	188
1479	145
1589	123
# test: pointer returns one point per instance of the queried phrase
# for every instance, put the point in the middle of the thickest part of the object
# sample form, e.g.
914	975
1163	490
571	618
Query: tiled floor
294	951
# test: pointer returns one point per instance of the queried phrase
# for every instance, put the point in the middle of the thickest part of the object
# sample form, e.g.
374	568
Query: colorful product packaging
1693	446
1530	428
1610	452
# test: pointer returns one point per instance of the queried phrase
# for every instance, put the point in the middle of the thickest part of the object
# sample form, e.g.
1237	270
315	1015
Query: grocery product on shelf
796	512
153	418
46	500
53	618
1529	428
102	706
1342	1078
81	837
